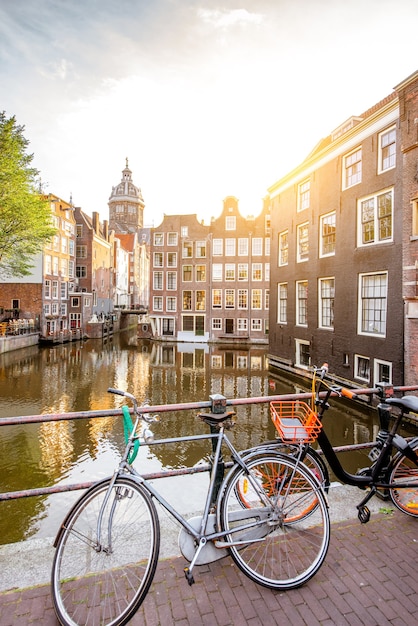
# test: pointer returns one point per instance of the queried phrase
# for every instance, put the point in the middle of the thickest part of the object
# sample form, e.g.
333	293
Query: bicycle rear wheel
104	580
272	538
402	471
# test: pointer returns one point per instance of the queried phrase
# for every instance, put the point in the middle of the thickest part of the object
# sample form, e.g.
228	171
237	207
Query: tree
25	216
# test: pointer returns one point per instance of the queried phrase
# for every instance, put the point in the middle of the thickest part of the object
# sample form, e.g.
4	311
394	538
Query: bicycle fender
407	449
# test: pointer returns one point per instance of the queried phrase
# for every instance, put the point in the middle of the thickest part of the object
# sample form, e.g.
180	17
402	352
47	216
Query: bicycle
393	472
108	545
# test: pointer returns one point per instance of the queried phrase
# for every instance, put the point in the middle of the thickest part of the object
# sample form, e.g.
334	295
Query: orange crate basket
295	421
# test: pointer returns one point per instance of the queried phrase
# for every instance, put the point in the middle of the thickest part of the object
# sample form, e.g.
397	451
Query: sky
206	99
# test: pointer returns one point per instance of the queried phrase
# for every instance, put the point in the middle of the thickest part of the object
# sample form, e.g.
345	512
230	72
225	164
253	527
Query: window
267	272
242	324
414	217
157	303
230	222
187	250
201	249
382	372
256	299
218	247
63	293
81	271
158	280
184	231
64	267
168	326
230	298
217	271
172	281
47	289
171	303
267	224
282	303
243	246
362	367
283	248
352	169
200	273
257	246
230	246
230	271
302	303
326	302
303	242
187	273
216	323
256	324
375	218
387	150
242	271
243	298
304	195
216	298
171	259
257	271
200	301
327	234
158	259
267	299
81	252
267	243
187	300
47	309
171	239
79	230
302	356
158	239
373	304
75	302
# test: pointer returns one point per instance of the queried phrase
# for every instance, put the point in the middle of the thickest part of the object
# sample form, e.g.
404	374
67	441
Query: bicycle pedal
189	576
363	514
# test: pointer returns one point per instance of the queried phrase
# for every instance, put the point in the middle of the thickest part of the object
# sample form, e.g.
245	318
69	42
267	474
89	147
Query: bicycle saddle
406	403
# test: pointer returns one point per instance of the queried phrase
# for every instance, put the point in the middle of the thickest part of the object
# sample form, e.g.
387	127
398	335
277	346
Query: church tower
126	205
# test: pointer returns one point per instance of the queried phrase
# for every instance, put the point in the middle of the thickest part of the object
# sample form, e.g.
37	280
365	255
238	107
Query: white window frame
302	235
230	222
256	324
230	271
243	299
216	323
243	271
379	321
352	168
360	359
242	324
283	248
327	221
387	142
243	246
299	344
157	303
326	303
230	246
282	294
301	314
304	195
157	281
217	272
257	246
158	239
172	239
373	201
378	363
217	247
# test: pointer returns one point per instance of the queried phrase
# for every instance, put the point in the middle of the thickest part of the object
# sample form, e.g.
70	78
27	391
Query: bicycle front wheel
272	539
402	472
103	579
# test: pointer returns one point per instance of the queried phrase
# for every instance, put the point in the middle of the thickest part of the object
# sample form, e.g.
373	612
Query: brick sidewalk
369	578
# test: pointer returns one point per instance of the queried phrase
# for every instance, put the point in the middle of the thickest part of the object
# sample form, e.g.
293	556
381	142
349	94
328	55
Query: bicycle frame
375	477
201	535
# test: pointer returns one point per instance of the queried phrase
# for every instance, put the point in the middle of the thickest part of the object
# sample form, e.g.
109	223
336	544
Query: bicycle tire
311	458
402	470
105	584
270	549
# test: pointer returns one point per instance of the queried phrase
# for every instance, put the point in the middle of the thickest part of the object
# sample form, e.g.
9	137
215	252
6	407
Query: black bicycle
393	472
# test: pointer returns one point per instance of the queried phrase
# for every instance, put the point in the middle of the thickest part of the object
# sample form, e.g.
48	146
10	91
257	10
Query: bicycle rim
405	498
104	585
278	544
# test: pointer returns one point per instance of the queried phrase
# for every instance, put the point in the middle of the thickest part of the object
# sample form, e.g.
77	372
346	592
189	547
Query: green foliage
25	216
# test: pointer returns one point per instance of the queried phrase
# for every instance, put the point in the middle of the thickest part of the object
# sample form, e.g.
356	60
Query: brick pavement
369	578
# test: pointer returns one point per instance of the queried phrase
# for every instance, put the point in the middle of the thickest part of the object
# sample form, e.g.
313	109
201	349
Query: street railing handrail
161	408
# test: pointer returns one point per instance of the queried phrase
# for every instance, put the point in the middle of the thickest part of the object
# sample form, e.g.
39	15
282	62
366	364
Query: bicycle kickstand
363	510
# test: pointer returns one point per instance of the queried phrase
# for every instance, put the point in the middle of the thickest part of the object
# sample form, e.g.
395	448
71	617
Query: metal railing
162	408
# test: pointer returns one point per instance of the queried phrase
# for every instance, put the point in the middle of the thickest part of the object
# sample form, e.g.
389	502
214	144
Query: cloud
222	18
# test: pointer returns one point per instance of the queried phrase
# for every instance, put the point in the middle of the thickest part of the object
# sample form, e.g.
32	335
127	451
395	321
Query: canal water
75	377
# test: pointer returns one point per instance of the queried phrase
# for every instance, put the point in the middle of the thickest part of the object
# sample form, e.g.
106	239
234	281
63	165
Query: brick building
344	249
211	283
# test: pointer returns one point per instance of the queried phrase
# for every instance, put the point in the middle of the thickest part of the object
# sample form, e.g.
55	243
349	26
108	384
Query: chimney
96	223
106	230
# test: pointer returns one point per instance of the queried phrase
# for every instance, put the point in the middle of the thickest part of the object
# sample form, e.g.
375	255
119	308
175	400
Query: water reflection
75	377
